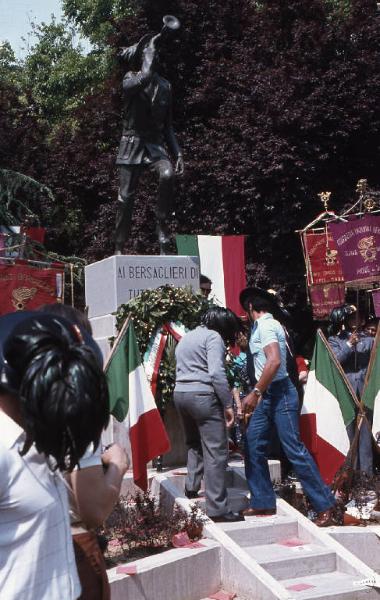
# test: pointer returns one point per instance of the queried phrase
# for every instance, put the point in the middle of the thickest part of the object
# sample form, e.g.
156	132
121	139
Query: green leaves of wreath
151	310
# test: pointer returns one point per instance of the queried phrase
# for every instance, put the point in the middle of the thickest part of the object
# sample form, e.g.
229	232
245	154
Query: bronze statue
147	136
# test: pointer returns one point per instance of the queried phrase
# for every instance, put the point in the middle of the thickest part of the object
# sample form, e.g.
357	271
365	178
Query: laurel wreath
150	311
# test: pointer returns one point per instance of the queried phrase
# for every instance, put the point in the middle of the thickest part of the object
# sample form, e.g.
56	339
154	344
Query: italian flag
371	394
132	403
222	259
328	408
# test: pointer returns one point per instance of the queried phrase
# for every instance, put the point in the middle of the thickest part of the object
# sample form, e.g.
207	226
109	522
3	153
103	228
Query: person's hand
116	455
250	403
229	417
180	165
353	339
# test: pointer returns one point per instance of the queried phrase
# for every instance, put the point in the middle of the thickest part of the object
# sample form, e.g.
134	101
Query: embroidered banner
322	260
25	288
326	297
358	245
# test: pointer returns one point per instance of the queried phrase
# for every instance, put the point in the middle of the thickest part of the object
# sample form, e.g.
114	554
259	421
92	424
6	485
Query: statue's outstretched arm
134	82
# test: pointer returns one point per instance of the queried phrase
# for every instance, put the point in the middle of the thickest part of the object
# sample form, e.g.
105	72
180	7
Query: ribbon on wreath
155	350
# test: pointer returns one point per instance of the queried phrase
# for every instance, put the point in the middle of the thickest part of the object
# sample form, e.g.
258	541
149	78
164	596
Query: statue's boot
163	239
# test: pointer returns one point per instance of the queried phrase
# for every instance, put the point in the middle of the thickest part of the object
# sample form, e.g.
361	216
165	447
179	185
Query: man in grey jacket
204	400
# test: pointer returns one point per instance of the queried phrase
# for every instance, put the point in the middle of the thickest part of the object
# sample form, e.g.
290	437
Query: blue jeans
279	408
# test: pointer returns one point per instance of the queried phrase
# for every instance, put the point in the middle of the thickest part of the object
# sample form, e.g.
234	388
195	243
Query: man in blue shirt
274	402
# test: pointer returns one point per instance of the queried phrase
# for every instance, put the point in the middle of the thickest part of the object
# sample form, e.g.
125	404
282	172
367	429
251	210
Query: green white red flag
222	259
328	408
133	404
371	394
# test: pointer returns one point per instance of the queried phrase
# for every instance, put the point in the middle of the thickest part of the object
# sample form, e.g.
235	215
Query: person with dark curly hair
99	472
53	406
204	400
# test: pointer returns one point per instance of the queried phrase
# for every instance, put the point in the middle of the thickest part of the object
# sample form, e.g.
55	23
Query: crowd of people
57	484
264	406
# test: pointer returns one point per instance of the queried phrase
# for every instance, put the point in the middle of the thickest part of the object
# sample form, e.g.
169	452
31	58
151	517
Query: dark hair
258	304
72	314
224	321
339	317
204	279
61	387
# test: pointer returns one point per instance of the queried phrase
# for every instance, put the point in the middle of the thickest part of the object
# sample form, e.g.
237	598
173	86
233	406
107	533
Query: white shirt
36	552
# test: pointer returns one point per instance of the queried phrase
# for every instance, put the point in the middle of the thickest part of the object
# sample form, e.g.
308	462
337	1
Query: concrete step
334	586
281	560
261	530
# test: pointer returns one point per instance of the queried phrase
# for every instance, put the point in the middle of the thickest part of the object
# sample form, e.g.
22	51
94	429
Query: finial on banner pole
325	197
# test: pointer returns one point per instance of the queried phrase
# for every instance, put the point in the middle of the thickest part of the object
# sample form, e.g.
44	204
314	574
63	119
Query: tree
273	102
58	73
98	19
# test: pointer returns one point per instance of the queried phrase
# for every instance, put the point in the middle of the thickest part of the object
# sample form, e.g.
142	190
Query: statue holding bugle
148	140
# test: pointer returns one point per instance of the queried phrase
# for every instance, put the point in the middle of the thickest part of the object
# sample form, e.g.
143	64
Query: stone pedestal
118	279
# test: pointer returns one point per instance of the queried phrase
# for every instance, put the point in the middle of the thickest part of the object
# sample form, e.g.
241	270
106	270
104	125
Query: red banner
37	234
322	260
325	297
25	288
358	244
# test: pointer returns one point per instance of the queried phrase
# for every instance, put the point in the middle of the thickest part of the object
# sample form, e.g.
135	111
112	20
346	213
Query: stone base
118	279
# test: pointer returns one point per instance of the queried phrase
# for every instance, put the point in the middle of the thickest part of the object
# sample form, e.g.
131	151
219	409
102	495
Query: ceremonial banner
222	259
358	245
37	234
321	256
376	302
132	403
325	297
25	288
328	408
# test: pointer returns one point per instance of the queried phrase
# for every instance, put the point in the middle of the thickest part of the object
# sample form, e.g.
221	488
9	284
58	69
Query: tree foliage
98	19
58	73
274	101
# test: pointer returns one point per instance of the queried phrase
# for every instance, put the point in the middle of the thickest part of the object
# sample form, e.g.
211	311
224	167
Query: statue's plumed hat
132	55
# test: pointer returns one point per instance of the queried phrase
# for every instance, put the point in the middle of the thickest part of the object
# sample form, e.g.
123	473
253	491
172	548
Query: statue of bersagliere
148	140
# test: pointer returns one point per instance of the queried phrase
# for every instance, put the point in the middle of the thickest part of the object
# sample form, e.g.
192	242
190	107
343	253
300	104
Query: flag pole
117	342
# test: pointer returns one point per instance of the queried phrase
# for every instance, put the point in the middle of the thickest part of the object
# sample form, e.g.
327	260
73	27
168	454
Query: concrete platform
334	586
178	574
258	565
364	542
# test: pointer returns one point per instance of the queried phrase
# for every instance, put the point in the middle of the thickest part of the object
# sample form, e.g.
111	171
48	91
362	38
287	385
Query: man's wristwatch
257	392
